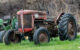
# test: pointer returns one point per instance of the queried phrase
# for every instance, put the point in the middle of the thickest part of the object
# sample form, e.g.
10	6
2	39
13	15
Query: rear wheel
41	35
67	27
11	37
72	30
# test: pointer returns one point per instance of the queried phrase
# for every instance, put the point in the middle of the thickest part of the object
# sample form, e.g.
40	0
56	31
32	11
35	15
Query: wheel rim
43	37
71	29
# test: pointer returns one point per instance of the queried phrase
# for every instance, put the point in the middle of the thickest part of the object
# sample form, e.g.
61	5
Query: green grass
54	44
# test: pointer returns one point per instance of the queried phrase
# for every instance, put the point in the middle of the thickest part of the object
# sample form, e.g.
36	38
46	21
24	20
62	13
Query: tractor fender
58	18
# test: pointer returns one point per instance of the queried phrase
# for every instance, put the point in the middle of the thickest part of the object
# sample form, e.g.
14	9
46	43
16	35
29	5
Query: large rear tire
11	37
67	27
41	35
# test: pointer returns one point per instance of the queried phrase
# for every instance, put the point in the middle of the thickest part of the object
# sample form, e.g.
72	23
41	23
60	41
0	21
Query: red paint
33	18
25	30
32	21
30	11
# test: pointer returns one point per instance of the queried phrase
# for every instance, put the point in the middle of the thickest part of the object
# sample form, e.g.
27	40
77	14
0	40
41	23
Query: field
54	44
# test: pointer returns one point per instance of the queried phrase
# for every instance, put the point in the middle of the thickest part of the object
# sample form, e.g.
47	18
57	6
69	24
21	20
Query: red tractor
39	28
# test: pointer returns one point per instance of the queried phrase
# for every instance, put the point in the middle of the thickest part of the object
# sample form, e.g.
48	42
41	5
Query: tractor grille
27	19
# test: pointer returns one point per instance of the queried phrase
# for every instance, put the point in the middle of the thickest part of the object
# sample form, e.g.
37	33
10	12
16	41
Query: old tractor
39	28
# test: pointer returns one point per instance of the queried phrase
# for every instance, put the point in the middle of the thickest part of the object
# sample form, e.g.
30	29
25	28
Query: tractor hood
30	12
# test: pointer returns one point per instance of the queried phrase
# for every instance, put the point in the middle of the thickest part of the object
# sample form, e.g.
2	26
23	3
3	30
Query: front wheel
41	35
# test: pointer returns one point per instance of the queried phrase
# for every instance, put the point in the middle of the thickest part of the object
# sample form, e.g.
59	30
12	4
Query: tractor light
36	15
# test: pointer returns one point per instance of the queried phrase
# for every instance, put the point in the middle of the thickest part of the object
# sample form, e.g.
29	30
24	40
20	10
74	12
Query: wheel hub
43	37
71	29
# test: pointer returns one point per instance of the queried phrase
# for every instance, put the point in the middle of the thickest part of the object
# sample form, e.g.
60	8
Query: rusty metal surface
43	37
71	29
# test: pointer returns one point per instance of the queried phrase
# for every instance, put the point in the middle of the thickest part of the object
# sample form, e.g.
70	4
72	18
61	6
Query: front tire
41	35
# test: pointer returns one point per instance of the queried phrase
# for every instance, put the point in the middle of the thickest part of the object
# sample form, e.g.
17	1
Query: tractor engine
48	24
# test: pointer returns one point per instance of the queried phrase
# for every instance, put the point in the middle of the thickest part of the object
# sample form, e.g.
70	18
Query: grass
54	44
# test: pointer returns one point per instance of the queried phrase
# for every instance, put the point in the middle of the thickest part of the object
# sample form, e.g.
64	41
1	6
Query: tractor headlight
36	15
